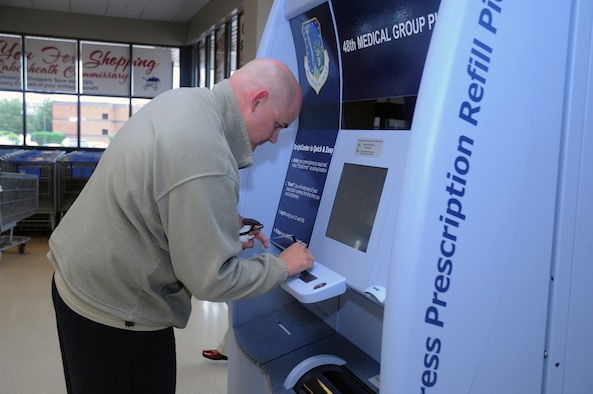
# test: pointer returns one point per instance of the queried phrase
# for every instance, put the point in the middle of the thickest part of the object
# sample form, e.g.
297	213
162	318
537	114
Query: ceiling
178	11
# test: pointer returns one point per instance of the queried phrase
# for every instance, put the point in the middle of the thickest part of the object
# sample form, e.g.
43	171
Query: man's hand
297	258
250	229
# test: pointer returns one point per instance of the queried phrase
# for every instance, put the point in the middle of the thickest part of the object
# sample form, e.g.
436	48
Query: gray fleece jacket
157	221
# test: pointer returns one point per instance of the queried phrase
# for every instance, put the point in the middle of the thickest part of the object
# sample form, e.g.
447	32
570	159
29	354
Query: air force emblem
316	60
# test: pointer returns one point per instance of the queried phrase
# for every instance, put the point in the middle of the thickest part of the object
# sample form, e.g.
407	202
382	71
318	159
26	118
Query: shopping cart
73	172
19	199
40	163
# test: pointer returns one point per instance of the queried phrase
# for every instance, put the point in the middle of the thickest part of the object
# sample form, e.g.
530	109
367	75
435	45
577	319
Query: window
76	93
217	53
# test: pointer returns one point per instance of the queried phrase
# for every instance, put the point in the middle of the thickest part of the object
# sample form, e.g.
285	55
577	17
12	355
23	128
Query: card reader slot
307	277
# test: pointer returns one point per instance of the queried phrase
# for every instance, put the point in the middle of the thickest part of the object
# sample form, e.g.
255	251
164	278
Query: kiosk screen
355	206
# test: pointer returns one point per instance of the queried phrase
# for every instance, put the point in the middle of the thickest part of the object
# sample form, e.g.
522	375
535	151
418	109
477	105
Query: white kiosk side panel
568	344
470	271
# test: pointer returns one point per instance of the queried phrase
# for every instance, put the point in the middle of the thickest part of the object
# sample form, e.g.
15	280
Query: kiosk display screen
355	205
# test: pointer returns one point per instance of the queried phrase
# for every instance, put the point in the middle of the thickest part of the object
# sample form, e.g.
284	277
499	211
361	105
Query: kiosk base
334	379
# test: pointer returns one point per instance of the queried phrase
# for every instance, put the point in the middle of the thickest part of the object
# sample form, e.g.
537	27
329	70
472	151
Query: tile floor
29	352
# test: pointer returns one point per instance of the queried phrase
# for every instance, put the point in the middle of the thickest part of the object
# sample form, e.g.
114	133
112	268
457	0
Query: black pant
101	359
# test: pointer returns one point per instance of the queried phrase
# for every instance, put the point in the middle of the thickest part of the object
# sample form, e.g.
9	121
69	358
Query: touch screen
355	205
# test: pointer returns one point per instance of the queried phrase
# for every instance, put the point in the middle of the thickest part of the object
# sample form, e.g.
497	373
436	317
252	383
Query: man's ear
258	98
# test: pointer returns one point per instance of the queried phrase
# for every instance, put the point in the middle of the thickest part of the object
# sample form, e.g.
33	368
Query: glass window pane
42	127
10	62
241	32
11	118
211	57
50	64
105	68
153	69
220	58
233	48
175	54
138	103
202	63
101	119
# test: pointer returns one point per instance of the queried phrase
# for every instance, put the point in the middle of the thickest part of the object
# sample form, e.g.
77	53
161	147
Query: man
157	223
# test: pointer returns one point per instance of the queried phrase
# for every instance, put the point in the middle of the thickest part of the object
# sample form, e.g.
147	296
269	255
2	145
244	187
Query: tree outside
39	123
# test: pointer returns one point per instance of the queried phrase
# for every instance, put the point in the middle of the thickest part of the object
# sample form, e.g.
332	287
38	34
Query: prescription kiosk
441	172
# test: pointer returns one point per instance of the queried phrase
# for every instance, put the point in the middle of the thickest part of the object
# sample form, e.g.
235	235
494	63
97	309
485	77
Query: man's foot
214	355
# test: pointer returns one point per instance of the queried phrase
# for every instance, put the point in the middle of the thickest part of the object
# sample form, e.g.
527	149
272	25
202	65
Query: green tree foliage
39	123
47	137
11	116
41	120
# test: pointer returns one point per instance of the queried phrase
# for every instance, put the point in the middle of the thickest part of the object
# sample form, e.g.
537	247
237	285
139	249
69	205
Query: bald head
269	97
268	74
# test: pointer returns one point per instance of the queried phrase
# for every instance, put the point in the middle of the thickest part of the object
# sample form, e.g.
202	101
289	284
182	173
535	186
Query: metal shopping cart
73	172
40	163
19	199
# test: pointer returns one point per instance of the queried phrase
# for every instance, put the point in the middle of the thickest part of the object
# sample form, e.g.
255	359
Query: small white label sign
369	147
